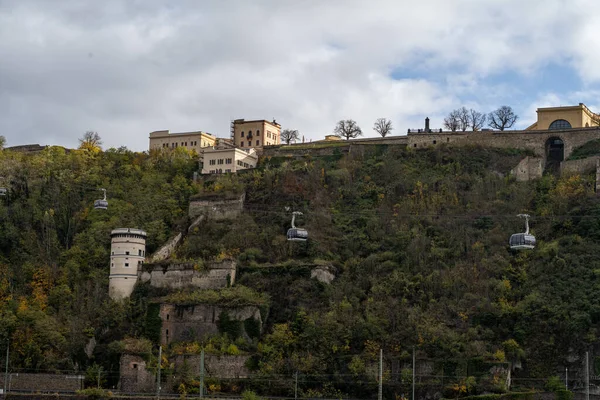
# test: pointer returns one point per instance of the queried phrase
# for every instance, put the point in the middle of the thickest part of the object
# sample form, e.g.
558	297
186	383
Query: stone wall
528	140
195	322
216	208
216	275
135	378
217	366
167	249
43	382
582	166
528	168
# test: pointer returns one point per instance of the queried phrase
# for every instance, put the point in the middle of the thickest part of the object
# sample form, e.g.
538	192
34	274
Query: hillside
417	241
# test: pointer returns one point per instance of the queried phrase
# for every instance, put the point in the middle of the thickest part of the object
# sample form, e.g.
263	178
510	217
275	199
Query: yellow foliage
499	355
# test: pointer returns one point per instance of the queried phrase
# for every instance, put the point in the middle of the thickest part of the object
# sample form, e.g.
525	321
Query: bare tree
502	118
347	128
289	135
90	141
383	126
463	118
452	121
476	120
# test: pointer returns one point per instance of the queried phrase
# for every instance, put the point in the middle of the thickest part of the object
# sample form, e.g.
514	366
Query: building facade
127	253
553	118
256	133
224	160
163	140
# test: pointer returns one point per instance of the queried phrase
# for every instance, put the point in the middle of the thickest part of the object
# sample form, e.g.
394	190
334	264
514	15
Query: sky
125	68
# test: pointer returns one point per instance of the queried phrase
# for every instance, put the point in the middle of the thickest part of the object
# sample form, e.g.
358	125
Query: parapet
131	231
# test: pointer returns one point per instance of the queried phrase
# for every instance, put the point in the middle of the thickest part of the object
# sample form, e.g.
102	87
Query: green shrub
250	395
564	395
95	393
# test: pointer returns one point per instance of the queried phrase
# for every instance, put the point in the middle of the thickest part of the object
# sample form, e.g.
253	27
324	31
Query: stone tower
127	253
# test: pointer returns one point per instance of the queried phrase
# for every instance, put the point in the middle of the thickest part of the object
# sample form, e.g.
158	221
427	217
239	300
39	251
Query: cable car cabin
3	191
100	204
297	234
522	241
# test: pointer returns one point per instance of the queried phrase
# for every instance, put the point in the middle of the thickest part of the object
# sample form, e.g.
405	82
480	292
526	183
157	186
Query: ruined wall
528	168
167	249
582	166
216	275
43	382
217	208
134	377
194	322
218	366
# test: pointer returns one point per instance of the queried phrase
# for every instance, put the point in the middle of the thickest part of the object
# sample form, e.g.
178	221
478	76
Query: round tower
127	253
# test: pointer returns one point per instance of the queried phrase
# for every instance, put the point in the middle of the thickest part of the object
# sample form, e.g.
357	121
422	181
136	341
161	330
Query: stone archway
555	154
555	149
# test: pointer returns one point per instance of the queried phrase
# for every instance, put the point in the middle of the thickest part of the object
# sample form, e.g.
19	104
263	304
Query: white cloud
126	68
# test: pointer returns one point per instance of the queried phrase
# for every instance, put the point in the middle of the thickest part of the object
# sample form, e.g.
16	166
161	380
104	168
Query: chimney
426	124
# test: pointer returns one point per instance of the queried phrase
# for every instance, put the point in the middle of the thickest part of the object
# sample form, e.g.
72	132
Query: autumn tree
90	141
383	126
502	118
347	128
289	135
476	120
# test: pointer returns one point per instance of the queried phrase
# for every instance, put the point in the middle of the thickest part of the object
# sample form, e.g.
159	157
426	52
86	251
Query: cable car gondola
296	234
101	204
525	240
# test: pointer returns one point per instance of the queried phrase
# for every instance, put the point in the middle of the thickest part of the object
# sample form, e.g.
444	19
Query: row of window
243	164
250	143
173	145
125	235
140	253
218	171
221	161
126	264
250	133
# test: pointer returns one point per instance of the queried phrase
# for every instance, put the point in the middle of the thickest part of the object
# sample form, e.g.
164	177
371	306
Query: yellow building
578	116
224	160
190	140
255	133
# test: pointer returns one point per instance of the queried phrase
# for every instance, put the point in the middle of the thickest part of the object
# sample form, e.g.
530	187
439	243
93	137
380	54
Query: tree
347	129
463	118
90	141
383	126
452	122
2	142
502	118
289	135
476	120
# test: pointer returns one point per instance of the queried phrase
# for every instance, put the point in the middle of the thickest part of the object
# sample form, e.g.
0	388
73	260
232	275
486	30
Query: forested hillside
418	241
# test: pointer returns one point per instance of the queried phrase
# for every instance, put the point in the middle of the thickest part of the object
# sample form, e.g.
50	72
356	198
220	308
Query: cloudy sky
125	68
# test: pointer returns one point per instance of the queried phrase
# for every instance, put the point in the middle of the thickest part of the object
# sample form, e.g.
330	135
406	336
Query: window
126	253
112	265
242	135
139	252
242	144
127	264
258	142
435	141
186	144
212	162
182	143
227	170
239	163
257	132
220	171
167	317
560	124
220	161
228	161
134	366
415	145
